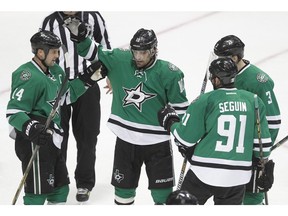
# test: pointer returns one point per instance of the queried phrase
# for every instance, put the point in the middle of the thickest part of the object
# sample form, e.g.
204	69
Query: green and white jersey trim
135	133
222	177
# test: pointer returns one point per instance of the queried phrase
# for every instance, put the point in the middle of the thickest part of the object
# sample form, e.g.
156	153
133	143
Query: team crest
50	180
118	176
136	96
262	77
25	75
172	67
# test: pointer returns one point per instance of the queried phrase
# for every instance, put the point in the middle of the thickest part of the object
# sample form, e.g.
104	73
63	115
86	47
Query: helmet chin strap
43	60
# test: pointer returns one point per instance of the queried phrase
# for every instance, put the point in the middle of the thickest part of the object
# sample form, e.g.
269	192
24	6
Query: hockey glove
266	180
36	133
95	72
167	116
78	30
185	151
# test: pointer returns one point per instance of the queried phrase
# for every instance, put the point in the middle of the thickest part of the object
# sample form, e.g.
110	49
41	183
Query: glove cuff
170	122
28	125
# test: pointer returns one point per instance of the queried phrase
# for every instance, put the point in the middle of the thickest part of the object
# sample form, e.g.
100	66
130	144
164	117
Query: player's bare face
52	56
141	57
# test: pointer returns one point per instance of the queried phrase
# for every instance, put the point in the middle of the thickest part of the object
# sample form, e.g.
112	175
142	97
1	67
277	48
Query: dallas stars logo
118	176
136	96
52	102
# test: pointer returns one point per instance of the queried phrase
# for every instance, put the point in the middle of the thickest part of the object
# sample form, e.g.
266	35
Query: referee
86	111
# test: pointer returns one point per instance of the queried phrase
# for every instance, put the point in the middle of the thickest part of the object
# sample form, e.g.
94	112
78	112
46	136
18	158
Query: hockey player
33	92
218	135
142	84
253	79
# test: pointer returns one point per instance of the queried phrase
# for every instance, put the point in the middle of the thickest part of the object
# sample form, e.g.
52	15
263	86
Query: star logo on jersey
136	96
52	102
118	176
262	77
50	180
25	75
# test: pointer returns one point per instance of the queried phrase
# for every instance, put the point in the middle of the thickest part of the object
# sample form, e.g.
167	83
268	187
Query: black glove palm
95	72
167	116
36	133
266	180
185	151
78	30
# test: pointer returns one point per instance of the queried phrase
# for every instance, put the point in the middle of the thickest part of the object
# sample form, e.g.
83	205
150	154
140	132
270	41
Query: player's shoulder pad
124	49
172	67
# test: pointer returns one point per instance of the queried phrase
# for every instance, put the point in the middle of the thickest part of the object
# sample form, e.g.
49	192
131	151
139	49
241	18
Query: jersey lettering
181	85
268	93
185	118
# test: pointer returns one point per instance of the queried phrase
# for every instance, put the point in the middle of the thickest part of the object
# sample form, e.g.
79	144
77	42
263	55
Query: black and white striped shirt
54	21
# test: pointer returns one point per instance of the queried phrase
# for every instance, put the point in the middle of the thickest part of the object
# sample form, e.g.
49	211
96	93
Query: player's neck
41	64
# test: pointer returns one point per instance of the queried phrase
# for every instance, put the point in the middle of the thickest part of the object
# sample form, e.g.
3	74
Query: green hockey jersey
254	80
34	93
138	94
221	125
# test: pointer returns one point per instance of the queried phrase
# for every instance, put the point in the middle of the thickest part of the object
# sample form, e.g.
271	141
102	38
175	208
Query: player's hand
185	151
78	30
108	87
167	116
36	133
95	72
265	180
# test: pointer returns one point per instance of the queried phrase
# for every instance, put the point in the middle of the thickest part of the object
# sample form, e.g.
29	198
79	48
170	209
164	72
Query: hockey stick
202	91
262	163
47	123
278	144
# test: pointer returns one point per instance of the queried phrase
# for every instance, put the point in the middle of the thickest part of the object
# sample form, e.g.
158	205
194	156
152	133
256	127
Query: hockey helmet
44	40
181	197
144	39
229	46
225	69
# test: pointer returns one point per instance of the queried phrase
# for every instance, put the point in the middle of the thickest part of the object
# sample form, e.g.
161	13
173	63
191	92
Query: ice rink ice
185	39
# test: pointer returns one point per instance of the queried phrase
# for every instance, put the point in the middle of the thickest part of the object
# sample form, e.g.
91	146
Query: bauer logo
25	75
159	181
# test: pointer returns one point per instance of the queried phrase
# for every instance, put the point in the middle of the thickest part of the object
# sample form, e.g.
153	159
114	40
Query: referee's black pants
86	115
